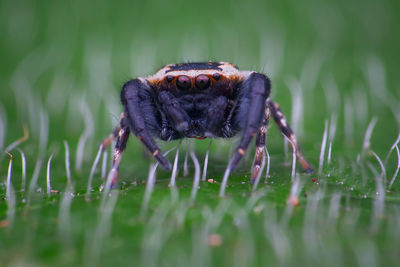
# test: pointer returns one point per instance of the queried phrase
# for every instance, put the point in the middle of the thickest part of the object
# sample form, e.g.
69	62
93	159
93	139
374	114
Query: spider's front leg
253	94
139	105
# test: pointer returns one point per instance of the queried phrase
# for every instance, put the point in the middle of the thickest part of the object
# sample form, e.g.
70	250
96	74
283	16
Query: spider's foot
236	159
165	164
114	181
255	173
309	170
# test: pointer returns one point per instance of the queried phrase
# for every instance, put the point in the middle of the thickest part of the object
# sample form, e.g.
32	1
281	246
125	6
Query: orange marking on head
155	153
241	151
139	137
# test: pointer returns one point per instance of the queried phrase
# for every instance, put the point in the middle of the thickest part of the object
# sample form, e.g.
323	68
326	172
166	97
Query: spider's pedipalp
215	116
173	111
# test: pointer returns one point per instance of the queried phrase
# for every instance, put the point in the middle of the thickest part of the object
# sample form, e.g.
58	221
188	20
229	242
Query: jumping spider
199	100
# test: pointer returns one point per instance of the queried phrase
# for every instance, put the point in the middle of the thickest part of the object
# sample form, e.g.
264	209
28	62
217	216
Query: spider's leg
132	102
120	145
104	145
260	144
255	91
288	132
109	139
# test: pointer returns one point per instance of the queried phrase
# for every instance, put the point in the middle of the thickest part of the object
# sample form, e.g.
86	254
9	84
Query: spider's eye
202	82
170	78
183	82
216	76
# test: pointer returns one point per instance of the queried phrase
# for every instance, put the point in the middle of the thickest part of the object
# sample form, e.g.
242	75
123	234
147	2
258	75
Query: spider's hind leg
260	146
288	132
109	139
105	144
120	145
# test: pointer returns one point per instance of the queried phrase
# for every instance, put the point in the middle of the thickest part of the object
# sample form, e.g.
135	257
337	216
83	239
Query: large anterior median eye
183	82
202	82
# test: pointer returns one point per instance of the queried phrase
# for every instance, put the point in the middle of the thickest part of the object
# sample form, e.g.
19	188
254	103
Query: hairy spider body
199	100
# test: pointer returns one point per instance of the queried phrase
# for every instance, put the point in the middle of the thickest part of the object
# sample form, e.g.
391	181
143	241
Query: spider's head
195	77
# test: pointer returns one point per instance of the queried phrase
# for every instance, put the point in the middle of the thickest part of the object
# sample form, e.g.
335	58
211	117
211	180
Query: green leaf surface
330	62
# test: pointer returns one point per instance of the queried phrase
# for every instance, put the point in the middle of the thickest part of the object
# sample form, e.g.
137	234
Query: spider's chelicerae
199	100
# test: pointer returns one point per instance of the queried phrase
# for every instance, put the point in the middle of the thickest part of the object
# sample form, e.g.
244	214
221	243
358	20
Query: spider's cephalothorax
200	100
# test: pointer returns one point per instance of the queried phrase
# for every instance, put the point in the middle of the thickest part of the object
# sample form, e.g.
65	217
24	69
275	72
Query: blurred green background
62	66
